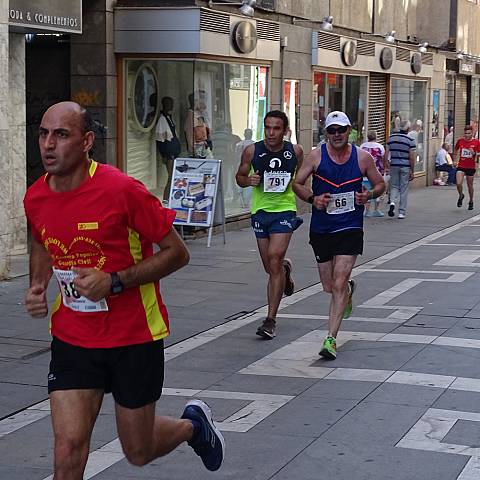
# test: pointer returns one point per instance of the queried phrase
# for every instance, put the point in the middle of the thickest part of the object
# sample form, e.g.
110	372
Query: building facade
223	71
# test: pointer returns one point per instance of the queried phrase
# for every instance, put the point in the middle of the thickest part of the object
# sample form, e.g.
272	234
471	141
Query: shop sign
416	63
467	68
244	37
58	16
349	53
386	58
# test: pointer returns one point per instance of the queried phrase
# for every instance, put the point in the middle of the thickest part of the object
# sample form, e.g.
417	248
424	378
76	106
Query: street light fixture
246	8
422	47
390	37
327	24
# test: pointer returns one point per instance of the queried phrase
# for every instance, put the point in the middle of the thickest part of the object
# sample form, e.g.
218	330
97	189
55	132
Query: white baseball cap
337	118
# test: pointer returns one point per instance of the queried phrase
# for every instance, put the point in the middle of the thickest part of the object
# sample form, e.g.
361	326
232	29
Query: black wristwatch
117	285
311	198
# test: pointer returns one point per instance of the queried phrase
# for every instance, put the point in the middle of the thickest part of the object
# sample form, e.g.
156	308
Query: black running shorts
328	245
469	172
133	374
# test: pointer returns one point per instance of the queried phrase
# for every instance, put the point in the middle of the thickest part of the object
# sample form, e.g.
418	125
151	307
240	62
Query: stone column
17	143
93	73
4	147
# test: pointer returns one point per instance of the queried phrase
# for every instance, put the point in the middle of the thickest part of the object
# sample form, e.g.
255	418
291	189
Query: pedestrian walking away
467	150
109	322
336	228
269	166
400	155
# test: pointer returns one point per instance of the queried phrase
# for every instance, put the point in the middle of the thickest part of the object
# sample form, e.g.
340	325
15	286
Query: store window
291	106
332	91
474	105
192	109
408	102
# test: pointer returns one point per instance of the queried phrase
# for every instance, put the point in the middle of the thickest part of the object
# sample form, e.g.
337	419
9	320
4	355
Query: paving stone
464	432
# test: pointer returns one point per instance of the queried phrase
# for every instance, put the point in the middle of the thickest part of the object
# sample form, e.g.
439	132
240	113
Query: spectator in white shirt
444	163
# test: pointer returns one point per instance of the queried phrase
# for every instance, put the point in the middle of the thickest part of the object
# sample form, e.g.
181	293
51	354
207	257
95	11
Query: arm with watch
96	284
304	192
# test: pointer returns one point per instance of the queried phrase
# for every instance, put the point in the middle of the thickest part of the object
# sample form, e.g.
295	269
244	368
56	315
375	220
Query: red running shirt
468	150
110	222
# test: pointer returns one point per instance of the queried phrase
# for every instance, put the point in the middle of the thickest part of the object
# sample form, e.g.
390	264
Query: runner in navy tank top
336	228
341	182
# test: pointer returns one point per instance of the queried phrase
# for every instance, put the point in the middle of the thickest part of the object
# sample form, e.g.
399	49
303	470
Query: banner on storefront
62	16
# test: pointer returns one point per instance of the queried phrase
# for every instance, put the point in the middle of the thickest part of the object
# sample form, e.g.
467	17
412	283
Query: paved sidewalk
403	394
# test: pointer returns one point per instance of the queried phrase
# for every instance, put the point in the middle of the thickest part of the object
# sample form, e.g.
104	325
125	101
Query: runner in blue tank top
336	228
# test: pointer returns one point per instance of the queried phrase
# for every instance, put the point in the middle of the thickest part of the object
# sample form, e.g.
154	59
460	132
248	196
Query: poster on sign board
193	191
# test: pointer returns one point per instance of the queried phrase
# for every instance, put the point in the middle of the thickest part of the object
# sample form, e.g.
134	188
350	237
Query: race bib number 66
341	203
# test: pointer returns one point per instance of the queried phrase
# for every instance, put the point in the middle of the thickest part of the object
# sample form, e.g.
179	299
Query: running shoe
207	441
267	329
401	216
329	348
348	309
289	284
391	210
377	213
460	200
470	205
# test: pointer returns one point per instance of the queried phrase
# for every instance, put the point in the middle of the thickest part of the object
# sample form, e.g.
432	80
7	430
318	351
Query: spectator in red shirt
466	151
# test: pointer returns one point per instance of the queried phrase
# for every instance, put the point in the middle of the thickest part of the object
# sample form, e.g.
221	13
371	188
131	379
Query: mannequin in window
168	145
197	130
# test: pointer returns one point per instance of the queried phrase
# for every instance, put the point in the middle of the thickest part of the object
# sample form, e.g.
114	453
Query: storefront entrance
216	109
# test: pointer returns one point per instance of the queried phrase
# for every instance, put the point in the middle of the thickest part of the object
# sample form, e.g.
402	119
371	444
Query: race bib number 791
276	182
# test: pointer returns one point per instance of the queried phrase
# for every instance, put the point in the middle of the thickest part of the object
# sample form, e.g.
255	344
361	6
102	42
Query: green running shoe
348	309
329	348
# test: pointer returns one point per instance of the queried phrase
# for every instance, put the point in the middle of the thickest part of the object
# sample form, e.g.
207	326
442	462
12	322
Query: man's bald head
65	139
75	112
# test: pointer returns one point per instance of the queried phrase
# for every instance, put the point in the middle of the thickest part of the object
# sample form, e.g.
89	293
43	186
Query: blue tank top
341	181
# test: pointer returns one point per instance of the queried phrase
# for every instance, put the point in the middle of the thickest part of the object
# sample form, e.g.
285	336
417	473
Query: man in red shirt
93	228
466	152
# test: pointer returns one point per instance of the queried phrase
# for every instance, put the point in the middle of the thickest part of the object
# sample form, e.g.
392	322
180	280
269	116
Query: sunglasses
334	130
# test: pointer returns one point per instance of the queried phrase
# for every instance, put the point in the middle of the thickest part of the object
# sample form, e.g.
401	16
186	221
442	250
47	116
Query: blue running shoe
207	442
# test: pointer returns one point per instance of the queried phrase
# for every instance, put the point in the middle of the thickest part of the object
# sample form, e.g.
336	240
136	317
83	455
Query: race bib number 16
71	298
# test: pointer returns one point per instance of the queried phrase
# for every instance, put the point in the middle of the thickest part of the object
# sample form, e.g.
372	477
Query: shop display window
291	106
215	110
408	102
348	93
474	105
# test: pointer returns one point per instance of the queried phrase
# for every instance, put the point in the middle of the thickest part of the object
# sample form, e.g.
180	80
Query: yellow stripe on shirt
55	306
156	324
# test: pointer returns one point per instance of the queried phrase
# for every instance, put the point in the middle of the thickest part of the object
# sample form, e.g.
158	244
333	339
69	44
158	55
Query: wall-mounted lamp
327	24
246	6
422	47
390	37
460	55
